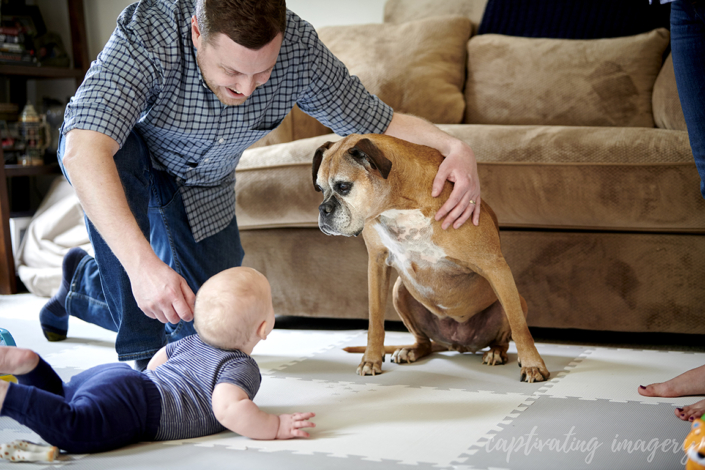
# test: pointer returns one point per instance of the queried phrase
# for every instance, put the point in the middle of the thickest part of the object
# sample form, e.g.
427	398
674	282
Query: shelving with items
16	73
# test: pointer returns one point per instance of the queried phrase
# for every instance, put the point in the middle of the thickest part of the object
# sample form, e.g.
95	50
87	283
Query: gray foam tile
569	433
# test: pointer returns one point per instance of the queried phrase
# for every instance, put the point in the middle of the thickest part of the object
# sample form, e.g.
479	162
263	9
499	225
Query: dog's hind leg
411	312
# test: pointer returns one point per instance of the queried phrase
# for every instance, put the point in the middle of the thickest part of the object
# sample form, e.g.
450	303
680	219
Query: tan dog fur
454	285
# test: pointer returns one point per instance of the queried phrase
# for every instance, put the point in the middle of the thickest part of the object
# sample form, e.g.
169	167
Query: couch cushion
403	11
668	113
593	178
416	68
600	82
533	176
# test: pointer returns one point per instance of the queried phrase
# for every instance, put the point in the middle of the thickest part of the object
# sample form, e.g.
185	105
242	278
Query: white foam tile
21	306
284	347
375	422
615	374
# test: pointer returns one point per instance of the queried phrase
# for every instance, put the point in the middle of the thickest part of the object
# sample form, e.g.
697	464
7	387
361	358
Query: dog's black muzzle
328	208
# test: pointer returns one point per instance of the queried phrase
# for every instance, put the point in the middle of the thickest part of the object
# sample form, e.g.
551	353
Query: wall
101	15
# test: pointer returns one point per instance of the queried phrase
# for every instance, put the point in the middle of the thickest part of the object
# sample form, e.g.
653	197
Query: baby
199	385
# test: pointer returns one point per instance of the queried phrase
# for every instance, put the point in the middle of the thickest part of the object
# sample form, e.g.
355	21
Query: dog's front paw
370	367
534	373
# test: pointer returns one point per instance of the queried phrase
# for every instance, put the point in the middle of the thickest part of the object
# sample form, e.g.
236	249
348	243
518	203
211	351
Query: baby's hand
290	425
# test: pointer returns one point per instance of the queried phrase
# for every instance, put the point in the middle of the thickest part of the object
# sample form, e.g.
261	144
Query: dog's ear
317	158
366	150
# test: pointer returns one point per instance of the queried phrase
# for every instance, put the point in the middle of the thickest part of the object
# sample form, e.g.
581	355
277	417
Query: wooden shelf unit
19	74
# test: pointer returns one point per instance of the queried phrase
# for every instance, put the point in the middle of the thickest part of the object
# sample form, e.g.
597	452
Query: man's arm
234	410
160	292
459	167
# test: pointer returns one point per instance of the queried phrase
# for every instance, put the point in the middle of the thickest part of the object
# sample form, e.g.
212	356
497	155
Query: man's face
230	70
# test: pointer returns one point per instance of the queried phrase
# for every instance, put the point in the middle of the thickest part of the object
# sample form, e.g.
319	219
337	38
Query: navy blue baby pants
103	408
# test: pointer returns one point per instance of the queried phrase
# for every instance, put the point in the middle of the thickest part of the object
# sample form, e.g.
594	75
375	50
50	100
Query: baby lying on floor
199	385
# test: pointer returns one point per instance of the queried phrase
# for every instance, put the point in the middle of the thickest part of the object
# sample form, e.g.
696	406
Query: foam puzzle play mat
447	411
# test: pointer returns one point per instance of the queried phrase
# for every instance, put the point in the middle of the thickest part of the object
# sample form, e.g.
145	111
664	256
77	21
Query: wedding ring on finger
472	201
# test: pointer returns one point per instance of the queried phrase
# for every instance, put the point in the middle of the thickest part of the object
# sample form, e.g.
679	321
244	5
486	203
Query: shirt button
221	141
207	160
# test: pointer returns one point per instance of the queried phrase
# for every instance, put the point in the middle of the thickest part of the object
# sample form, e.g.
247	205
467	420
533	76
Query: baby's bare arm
158	359
234	410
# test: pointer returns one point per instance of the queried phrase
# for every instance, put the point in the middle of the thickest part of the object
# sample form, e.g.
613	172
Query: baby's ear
262	330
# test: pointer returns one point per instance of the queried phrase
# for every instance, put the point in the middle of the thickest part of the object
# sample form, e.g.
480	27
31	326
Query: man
150	144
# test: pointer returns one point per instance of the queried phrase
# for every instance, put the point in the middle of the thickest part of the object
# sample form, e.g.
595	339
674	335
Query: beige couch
582	154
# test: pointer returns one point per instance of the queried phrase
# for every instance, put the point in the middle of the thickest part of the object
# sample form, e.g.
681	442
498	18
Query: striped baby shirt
147	79
186	383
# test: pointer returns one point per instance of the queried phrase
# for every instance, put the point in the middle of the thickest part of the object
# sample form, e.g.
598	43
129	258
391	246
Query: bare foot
17	361
691	412
687	384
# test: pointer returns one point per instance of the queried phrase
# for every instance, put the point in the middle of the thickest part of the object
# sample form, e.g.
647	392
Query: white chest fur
407	236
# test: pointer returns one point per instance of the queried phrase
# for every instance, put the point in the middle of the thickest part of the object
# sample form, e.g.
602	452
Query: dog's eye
343	188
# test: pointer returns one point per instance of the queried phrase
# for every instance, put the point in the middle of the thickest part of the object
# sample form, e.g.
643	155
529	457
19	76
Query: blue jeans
100	291
688	49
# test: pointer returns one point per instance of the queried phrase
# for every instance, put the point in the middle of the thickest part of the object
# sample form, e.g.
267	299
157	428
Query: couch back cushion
600	82
668	113
403	11
416	67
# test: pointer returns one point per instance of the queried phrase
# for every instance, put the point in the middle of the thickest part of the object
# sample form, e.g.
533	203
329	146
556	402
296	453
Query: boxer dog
455	290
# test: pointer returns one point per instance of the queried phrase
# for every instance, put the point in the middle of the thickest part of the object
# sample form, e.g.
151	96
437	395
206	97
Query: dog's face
352	175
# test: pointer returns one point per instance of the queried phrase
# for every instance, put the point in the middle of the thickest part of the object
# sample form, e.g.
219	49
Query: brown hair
250	23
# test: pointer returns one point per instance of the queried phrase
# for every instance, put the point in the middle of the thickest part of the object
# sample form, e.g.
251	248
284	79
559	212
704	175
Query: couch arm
668	113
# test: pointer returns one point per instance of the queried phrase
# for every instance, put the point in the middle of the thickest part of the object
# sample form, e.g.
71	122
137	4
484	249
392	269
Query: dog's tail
390	349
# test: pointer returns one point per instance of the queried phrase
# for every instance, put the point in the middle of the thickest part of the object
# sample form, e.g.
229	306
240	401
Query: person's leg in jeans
100	290
173	242
688	49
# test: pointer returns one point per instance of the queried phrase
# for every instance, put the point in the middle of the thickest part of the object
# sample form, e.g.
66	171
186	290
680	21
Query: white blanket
56	227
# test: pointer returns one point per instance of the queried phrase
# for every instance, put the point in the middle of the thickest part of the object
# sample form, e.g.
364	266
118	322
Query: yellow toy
694	446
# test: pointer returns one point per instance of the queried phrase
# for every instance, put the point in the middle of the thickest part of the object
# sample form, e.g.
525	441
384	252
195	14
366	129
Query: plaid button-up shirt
147	79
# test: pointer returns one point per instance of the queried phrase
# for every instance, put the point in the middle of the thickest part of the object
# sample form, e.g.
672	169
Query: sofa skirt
612	281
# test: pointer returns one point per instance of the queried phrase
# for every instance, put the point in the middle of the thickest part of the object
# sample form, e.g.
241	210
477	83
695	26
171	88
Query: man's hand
161	293
460	168
290	425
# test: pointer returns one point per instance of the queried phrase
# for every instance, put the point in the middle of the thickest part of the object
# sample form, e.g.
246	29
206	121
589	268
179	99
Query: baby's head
234	309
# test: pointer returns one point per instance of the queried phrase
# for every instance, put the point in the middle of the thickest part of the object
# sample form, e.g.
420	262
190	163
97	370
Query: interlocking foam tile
556	433
191	457
376	422
21	306
447	370
445	411
615	374
81	335
282	349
